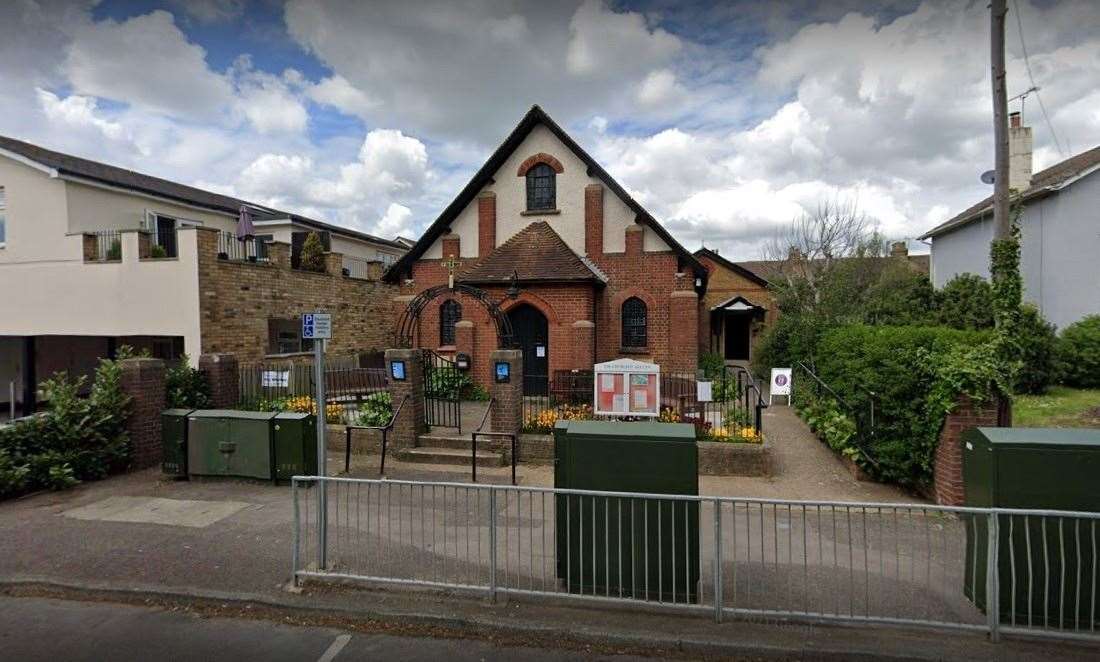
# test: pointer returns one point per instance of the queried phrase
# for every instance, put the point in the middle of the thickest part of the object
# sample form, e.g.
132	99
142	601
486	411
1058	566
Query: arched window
449	313
634	323
541	188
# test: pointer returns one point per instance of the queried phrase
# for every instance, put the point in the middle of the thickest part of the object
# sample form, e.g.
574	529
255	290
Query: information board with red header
625	387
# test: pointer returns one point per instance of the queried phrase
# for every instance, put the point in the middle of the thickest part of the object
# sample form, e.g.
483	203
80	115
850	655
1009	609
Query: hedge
915	374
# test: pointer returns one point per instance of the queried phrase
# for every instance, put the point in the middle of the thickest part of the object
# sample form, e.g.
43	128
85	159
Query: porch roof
737	304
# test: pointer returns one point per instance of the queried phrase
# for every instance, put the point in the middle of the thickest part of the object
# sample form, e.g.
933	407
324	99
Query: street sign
317	326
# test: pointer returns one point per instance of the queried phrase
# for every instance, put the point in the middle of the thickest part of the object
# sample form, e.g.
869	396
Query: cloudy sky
724	121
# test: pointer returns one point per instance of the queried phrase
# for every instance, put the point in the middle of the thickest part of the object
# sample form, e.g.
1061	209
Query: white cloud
337	92
211	11
271	103
601	39
148	62
659	87
78	113
394	222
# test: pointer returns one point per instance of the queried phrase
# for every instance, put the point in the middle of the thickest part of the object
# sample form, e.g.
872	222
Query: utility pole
997	11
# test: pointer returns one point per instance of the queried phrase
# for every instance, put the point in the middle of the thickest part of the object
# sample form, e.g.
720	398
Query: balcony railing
103	246
357	267
238	250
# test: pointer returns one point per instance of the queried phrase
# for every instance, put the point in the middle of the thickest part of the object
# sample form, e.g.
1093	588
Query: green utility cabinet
295	445
173	425
230	443
642	548
1046	565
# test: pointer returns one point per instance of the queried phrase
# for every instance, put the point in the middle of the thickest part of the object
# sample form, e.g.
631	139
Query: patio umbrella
245	230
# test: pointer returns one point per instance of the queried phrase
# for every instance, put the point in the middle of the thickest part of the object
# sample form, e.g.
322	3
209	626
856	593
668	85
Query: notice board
626	387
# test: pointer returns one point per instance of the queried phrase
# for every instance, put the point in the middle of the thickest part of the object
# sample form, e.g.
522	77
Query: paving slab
155	510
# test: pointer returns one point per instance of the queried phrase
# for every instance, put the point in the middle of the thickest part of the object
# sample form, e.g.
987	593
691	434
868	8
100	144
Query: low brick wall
724	458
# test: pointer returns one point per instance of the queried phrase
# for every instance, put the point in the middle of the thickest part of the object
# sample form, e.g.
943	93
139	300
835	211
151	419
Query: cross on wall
451	264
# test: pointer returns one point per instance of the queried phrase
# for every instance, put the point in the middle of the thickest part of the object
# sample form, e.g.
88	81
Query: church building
543	235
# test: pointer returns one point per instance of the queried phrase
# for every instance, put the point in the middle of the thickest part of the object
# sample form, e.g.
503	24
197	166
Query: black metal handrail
384	429
478	433
863	433
759	405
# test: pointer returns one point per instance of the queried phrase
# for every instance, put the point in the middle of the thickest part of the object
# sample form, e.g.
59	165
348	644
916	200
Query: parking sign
317	326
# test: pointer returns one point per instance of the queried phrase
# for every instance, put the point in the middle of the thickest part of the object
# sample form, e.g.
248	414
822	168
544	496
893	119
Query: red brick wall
143	381
948	471
486	223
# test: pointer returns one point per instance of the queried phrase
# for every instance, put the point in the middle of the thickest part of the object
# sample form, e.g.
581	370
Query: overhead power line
1031	77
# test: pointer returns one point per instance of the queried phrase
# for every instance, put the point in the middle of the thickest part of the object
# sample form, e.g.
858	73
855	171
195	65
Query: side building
93	256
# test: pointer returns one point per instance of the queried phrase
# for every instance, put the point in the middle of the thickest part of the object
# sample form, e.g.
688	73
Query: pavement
143	539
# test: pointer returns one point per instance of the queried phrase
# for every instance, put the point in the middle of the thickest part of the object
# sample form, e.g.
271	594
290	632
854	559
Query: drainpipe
595	327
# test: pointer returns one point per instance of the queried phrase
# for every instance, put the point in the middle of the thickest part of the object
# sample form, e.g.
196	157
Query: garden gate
442	391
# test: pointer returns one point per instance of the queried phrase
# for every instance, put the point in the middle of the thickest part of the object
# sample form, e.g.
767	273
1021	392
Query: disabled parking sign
317	326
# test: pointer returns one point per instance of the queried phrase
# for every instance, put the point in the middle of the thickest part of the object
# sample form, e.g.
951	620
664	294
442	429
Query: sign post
781	384
318	328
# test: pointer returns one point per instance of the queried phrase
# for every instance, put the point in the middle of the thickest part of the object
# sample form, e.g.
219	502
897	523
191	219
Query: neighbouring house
1059	232
545	235
739	304
93	256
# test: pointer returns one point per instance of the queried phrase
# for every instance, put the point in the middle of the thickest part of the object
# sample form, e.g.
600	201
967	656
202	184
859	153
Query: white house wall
1059	249
511	199
37	219
93	208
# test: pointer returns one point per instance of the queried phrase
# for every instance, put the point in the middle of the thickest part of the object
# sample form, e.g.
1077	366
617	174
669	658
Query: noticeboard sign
626	387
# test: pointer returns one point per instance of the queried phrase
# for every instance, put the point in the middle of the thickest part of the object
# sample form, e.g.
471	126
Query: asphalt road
46	629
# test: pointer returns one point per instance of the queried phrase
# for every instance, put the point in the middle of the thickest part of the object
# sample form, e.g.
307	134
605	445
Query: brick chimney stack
899	249
1019	153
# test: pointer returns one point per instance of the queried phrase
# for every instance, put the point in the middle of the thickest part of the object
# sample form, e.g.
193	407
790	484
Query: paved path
43	629
805	469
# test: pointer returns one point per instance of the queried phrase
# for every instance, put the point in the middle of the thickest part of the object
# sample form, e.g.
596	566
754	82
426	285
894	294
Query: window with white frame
3	217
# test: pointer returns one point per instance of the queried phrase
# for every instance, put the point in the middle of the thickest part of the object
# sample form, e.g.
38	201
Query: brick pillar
486	223
334	263
583	335
410	422
947	481
508	406
142	380
91	248
683	333
451	246
375	270
278	254
593	219
222	372
634	236
464	337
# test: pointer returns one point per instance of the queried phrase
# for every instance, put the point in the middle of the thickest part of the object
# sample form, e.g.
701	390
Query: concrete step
433	455
437	440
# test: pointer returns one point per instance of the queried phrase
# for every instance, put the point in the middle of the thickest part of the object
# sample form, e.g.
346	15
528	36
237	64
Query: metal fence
735	398
356	267
241	250
806	561
108	246
269	385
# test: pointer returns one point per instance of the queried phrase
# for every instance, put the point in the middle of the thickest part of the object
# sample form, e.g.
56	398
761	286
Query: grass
1061	407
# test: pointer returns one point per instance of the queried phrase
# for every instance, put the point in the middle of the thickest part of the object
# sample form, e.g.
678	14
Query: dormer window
541	189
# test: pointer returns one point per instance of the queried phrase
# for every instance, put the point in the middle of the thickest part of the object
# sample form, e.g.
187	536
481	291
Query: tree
963	303
313	254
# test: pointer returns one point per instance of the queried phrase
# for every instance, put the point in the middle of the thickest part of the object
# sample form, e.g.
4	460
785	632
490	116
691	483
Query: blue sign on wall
503	372
397	370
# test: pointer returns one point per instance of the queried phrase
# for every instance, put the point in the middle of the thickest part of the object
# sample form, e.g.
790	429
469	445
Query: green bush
186	387
448	384
76	439
966	302
114	251
376	410
1037	344
915	374
712	364
312	257
1078	351
157	251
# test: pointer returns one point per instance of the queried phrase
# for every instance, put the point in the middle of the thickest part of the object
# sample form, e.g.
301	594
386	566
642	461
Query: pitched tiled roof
1043	183
535	253
86	169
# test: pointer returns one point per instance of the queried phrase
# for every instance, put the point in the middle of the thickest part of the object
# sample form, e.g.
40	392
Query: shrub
712	364
157	251
1078	351
76	439
915	374
1036	342
114	251
448	384
965	302
185	386
312	257
376	410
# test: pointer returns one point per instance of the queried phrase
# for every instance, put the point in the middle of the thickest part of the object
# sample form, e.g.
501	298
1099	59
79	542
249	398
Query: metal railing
357	267
901	564
237	250
480	433
864	419
384	429
108	246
